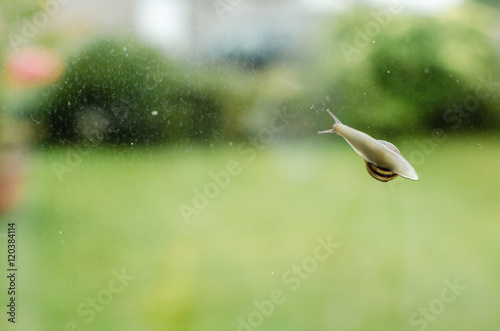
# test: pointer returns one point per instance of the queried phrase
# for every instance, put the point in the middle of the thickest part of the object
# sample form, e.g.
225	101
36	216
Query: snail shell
383	160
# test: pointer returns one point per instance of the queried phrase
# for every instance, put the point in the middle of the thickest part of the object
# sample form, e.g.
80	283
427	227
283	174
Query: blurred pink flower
33	66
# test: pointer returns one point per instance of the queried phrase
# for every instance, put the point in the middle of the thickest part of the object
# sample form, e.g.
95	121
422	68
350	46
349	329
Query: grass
118	210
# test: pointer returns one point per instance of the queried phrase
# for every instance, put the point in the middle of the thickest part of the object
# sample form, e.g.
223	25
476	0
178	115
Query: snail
383	160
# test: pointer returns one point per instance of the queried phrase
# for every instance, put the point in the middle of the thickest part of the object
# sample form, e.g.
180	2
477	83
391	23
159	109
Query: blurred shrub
123	92
409	74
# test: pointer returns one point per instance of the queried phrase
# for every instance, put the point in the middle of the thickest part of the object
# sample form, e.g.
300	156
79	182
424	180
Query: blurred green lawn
119	210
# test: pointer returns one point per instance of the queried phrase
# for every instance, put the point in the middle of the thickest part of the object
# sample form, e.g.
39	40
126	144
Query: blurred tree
401	73
123	92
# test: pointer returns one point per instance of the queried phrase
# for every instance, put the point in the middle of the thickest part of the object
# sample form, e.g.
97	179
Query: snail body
383	160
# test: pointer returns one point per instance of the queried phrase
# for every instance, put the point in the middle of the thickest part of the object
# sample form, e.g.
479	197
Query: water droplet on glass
158	78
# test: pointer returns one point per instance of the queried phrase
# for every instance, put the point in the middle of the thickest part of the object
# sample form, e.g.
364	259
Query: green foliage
123	92
408	74
386	74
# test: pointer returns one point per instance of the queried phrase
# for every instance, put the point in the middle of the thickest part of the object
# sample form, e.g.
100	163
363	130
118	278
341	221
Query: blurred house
246	30
249	32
